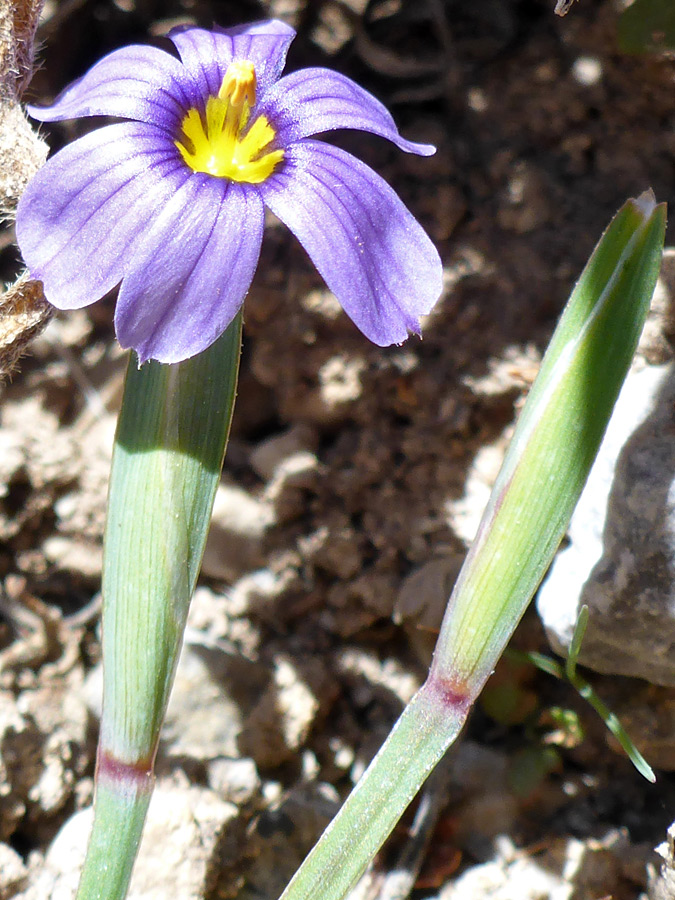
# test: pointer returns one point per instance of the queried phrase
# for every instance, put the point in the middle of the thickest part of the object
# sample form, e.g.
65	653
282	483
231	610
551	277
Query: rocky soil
353	483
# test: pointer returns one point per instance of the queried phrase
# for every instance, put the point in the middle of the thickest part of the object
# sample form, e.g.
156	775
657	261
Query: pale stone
621	556
180	837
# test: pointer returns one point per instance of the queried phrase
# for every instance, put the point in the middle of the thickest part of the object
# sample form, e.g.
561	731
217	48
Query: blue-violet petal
86	208
313	101
371	252
136	82
190	274
207	54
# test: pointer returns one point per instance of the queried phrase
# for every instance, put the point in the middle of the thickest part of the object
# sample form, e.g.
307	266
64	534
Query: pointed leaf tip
646	202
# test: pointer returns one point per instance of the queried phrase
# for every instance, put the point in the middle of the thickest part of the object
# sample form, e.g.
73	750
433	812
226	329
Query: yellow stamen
239	83
221	146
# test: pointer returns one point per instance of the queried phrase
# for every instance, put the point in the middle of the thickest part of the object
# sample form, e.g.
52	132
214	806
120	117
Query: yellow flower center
222	145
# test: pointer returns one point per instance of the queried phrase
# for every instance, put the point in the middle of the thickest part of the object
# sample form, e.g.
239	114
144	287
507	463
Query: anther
239	83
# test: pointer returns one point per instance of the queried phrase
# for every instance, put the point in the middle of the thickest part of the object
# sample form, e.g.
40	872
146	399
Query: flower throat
218	146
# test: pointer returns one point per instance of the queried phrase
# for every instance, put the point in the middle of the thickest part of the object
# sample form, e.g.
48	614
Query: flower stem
115	837
428	726
167	458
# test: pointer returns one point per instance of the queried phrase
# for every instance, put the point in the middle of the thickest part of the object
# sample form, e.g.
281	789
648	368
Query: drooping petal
192	271
265	44
85	210
313	101
371	252
136	82
207	54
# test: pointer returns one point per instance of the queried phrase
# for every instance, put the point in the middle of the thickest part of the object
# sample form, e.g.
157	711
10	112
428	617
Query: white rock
181	834
268	454
236	780
621	556
13	872
238	528
566	869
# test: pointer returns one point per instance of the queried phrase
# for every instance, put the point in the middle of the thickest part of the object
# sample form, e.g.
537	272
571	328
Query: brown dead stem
24	312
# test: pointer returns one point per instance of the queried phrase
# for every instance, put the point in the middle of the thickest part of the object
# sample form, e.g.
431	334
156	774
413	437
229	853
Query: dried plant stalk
24	312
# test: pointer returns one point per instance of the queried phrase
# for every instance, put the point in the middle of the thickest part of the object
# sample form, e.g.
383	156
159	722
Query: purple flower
170	205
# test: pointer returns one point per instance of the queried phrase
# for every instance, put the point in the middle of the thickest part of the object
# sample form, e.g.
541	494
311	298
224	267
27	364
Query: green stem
118	822
543	473
428	726
167	459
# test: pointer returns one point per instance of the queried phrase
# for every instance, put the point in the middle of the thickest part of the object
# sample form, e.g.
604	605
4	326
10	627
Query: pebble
621	557
182	832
